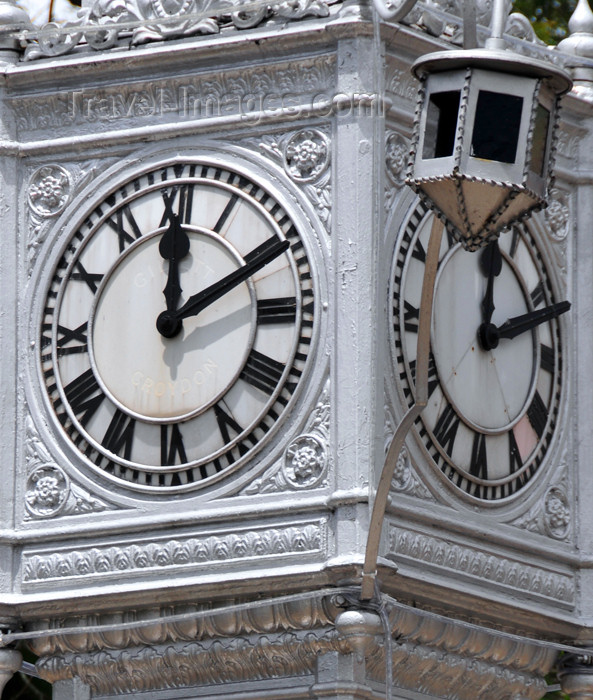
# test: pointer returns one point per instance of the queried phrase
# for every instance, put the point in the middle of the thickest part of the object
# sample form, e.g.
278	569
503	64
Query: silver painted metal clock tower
210	278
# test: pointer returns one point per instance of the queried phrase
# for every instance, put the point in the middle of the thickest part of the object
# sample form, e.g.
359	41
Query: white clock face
177	326
495	364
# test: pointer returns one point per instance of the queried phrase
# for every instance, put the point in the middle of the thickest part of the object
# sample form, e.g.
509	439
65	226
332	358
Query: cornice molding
283	640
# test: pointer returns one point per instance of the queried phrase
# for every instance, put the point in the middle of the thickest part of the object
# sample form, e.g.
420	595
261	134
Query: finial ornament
581	20
580	25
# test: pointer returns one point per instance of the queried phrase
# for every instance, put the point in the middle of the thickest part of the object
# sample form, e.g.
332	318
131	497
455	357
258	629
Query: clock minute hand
489	334
198	302
167	323
519	324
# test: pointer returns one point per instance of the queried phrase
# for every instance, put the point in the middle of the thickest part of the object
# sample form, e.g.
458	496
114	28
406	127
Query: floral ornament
404	480
401	474
306	155
304	461
558	214
49	190
397	150
47	491
556	513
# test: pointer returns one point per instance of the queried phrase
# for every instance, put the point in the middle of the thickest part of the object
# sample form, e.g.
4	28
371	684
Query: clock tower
211	285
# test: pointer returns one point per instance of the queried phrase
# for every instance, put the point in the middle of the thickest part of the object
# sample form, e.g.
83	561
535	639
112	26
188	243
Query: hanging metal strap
422	357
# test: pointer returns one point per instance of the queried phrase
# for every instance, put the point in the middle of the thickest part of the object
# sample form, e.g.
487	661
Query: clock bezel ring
428	455
280	193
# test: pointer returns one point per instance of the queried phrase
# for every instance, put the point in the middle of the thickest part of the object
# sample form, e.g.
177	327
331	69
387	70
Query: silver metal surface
119	587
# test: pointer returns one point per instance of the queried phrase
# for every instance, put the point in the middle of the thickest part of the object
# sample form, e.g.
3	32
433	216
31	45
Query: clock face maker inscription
495	363
177	326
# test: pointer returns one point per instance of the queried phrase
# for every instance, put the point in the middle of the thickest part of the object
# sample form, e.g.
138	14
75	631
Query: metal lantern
484	136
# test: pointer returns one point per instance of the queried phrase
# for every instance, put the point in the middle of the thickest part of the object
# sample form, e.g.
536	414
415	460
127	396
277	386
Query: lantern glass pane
540	140
496	126
441	124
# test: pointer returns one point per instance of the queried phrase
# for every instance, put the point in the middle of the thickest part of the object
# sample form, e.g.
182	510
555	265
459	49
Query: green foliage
555	695
548	18
552	679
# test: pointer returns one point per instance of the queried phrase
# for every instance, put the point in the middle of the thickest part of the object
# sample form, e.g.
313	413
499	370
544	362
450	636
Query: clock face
177	326
493	401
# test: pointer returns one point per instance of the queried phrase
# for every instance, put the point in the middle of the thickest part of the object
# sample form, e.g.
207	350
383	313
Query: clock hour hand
491	266
168	323
173	246
489	334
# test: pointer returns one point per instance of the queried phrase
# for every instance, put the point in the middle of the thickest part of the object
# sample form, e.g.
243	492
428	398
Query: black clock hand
491	266
167	323
489	334
519	324
173	246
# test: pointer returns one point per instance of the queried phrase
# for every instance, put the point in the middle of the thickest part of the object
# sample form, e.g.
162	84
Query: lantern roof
495	60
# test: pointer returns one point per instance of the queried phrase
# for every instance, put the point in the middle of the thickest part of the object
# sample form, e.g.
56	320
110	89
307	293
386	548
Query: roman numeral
433	378
120	435
92	279
262	371
479	462
411	317
125	226
445	430
538	414
226	422
515	461
84	396
172	445
184	203
76	335
168	197
546	358
186	200
280	310
226	212
418	251
514	241
538	294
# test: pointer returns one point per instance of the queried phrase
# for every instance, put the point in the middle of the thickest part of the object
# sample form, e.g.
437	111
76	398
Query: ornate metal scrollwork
107	22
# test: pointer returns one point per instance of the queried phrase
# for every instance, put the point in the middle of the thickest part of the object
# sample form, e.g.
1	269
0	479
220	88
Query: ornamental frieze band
482	566
175	554
219	94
